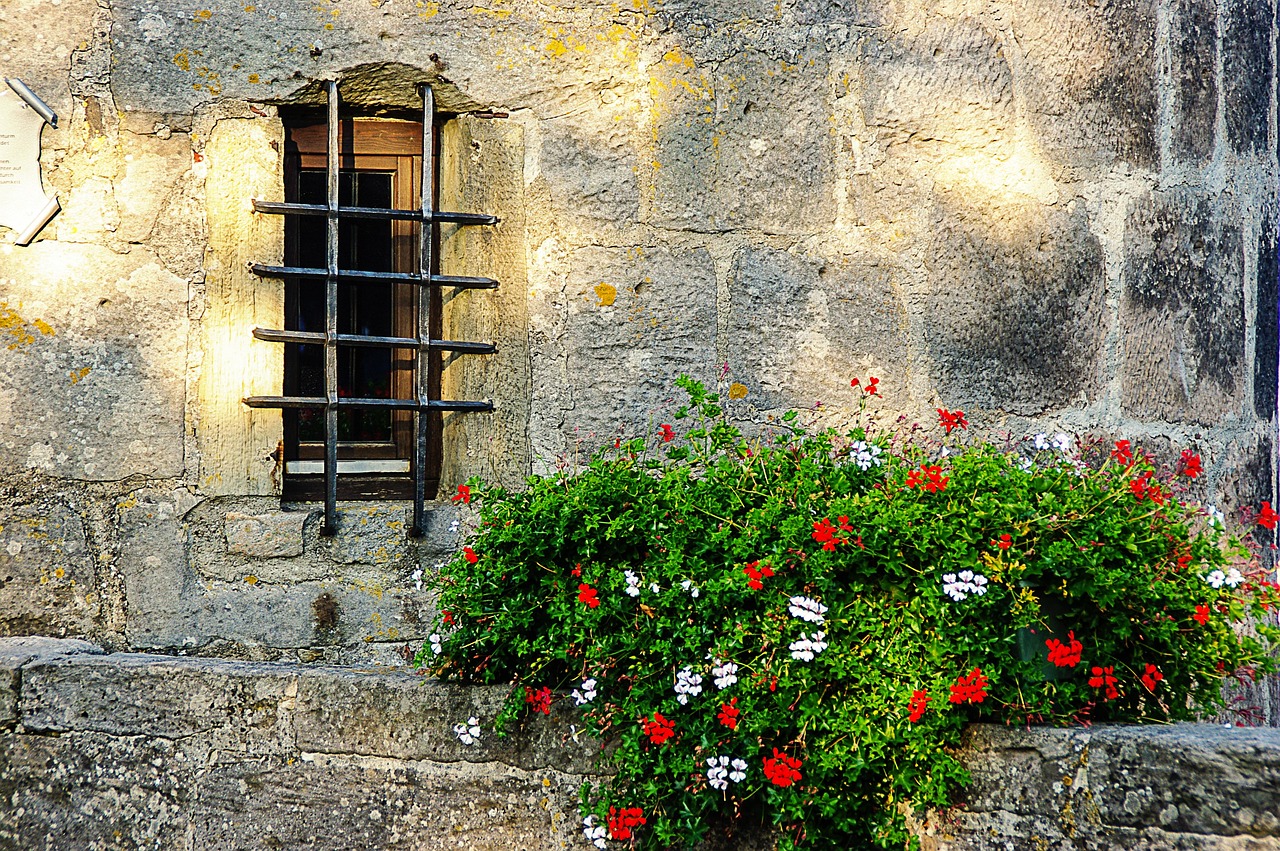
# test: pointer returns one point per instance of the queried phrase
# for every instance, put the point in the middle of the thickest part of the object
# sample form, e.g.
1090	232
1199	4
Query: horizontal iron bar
347	402
317	338
373	213
361	275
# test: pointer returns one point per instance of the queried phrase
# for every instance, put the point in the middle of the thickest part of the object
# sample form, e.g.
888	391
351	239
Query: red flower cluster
869	388
1189	466
1202	614
621	821
463	495
658	729
1105	678
729	713
447	617
470	555
1143	489
782	770
666	433
587	594
540	700
1123	452
970	688
1065	655
756	574
951	419
1151	677
1267	516
928	478
577	570
917	706
825	533
1006	541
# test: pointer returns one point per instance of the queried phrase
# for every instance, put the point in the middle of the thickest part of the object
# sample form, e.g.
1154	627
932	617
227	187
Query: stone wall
141	751
1054	214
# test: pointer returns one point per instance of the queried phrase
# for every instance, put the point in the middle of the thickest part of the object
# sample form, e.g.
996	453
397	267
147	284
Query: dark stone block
1266	347
1246	74
1195	43
1016	320
1183	311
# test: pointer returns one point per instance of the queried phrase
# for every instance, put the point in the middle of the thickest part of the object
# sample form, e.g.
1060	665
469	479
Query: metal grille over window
337	398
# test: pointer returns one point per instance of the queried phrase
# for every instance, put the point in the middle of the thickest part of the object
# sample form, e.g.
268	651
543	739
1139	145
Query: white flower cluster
436	646
586	694
865	455
595	833
691	588
416	576
633	583
468	733
807	609
1061	442
804	649
1232	577
687	683
1216	517
961	585
1026	465
719	773
725	674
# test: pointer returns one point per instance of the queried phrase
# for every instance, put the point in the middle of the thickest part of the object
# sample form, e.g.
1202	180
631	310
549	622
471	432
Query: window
361	400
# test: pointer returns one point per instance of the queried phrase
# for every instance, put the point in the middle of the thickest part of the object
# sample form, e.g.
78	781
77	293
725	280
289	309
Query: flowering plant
796	628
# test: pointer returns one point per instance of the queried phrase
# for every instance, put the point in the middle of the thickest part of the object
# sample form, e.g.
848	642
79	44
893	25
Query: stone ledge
134	750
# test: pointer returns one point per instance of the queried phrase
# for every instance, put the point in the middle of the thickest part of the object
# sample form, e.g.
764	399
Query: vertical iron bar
331	326
423	332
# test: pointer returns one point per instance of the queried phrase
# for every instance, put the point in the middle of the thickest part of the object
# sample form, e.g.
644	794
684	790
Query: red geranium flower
782	770
540	700
756	574
1123	452
1267	516
825	533
729	713
667	433
1065	655
951	419
447	617
918	704
658	729
463	495
870	389
621	821
970	688
1190	464
577	570
1105	678
1151	677
470	555
1202	614
928	478
587	594
1006	541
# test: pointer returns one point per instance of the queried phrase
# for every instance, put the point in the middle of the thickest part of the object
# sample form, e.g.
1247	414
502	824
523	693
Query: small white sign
23	204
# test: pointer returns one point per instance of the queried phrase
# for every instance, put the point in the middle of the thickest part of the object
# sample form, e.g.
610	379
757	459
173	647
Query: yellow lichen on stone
19	330
606	293
77	375
251	580
737	391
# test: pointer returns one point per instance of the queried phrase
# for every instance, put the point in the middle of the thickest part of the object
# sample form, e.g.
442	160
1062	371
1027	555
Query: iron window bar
422	341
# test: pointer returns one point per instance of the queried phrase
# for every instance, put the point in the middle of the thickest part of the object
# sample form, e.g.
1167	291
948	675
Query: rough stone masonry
1058	215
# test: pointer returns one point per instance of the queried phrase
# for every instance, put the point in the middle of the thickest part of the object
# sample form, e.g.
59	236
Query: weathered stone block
17	652
1195	74
48	578
1182	309
1247	72
801	327
277	534
1015	317
374	534
1089	81
99	334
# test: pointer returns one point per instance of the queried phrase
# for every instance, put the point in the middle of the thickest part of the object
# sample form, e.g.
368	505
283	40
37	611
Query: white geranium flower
725	674
1216	517
416	576
739	772
687	684
633	583
584	694
690	587
1234	577
653	588
1042	441
718	772
959	586
468	733
1217	578
807	609
805	648
436	646
865	455
1062	442
594	833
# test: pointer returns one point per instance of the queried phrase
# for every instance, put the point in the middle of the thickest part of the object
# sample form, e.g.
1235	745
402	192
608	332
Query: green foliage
871	526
